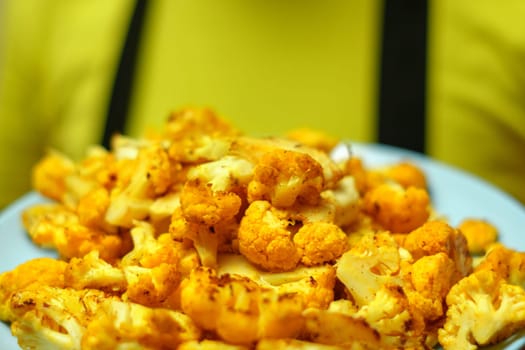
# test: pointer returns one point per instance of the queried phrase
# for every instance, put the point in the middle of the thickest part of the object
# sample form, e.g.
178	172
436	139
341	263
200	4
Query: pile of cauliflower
200	237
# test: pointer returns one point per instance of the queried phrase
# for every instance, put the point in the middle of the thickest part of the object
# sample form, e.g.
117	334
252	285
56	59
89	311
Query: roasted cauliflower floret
53	318
390	314
439	237
131	326
507	263
238	309
55	226
229	173
31	275
255	149
340	329
370	263
265	237
91	210
482	309
405	173
197	121
480	234
346	201
41	220
49	174
313	138
198	135
201	205
92	272
285	177
397	209
208	240
428	281
314	284
152	178
320	242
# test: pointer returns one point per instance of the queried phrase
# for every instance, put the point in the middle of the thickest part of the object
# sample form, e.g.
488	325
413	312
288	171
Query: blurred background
445	78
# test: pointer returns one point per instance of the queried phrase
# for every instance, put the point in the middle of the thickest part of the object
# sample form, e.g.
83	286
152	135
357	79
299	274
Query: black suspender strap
402	93
117	112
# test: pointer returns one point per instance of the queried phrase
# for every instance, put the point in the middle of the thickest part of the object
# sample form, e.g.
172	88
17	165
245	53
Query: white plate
455	194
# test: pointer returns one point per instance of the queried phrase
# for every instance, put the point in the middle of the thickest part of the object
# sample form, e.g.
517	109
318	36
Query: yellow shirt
268	66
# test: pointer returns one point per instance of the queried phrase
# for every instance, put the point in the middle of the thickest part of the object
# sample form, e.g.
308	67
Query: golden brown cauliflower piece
198	135
208	240
397	209
480	234
265	237
313	138
339	329
439	237
91	271
428	281
191	121
255	149
152	177
50	173
320	242
285	177
200	204
314	284
127	325
54	226
52	317
30	275
391	315
405	173
507	263
238	309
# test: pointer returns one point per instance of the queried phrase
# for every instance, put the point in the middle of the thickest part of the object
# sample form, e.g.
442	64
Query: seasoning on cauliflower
238	309
435	237
482	309
480	234
397	209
